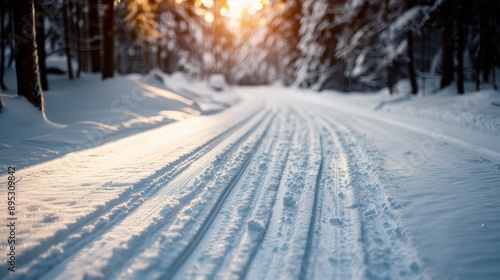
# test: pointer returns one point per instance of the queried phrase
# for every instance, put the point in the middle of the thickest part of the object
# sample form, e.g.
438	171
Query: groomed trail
277	187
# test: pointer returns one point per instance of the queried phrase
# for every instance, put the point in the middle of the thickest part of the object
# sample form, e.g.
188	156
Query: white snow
251	182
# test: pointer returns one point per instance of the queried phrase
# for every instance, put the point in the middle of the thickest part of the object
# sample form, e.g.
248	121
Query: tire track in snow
151	187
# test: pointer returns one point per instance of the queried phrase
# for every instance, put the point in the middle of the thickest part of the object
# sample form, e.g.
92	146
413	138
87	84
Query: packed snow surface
274	184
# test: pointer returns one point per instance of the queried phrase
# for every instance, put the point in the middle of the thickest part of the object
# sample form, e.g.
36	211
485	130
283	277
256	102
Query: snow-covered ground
88	112
252	182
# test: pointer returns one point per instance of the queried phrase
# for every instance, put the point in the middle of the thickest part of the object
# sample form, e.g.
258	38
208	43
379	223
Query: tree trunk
28	82
495	78
159	60
411	63
2	51
424	61
479	55
447	46
390	84
40	43
477	74
486	44
2	47
147	58
83	39
109	39
10	26
73	43
460	49
95	36
66	40
79	39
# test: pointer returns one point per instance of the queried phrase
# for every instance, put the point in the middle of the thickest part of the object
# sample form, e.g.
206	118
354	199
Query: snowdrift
87	112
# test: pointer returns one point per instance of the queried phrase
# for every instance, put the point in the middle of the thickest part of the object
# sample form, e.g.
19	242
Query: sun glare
234	10
237	8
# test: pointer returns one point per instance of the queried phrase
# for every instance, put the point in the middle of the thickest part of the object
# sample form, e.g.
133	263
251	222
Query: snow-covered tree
318	39
375	38
282	38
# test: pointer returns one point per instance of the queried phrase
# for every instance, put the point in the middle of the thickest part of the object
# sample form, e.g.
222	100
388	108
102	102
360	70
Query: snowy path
277	187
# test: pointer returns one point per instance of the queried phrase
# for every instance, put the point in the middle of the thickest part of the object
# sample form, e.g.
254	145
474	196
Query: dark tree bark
66	40
487	47
78	34
460	48
159	60
109	39
390	79
73	41
2	47
83	39
411	62
28	82
40	43
10	26
95	36
447	45
494	79
147	57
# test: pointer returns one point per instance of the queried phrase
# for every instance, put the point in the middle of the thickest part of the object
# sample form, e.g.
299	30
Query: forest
347	45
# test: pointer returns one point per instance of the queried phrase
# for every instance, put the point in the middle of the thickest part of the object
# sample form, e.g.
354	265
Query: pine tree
282	40
318	37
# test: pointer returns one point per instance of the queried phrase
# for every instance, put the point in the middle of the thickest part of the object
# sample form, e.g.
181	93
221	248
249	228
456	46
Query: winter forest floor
131	181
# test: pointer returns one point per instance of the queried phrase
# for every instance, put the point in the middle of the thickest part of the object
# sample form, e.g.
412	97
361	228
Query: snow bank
210	99
87	112
474	111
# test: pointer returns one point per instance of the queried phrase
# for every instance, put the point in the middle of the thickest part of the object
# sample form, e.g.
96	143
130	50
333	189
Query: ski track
388	253
80	233
234	221
292	190
146	220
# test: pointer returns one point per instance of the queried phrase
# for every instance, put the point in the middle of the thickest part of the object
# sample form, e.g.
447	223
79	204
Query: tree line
377	42
340	44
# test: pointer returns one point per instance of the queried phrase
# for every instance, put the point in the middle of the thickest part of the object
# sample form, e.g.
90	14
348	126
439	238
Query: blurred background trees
340	44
